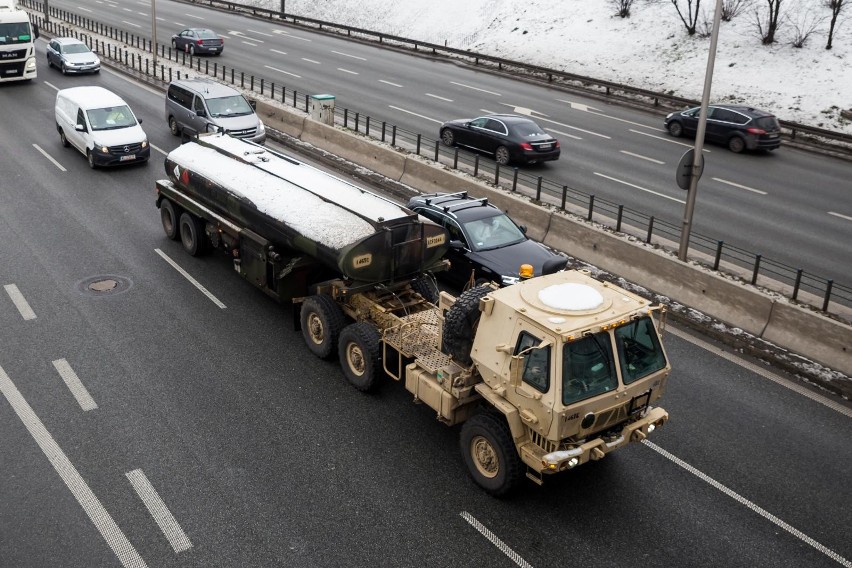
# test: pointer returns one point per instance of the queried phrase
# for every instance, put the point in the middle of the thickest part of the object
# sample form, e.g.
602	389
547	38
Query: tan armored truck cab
543	375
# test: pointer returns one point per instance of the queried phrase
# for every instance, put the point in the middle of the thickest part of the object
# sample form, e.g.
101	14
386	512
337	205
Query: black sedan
510	138
486	245
198	40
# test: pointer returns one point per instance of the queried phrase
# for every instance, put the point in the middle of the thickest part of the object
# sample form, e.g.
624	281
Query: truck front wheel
360	355
321	319
191	234
489	453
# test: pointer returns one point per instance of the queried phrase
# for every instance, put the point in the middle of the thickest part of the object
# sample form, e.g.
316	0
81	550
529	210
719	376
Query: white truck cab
17	52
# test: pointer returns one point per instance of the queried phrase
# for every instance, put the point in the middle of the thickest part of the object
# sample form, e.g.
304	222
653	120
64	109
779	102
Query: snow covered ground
650	49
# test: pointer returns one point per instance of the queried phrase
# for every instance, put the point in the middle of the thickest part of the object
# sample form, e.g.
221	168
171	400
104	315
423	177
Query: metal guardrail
838	141
805	288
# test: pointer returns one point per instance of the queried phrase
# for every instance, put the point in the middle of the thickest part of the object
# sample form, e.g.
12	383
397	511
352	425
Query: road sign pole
699	138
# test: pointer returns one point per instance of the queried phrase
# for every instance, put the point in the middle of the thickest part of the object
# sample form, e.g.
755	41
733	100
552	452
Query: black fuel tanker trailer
288	225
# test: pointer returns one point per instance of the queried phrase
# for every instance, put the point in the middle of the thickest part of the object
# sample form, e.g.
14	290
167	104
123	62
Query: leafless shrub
705	26
691	18
733	8
622	7
804	25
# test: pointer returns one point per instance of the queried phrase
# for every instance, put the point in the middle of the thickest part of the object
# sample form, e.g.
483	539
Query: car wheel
63	139
64	69
447	137
173	126
191	50
218	53
676	129
174	44
49	62
501	156
91	157
736	144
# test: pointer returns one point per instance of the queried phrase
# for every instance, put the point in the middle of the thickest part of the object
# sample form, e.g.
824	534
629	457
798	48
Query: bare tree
804	25
767	24
691	18
836	6
622	7
733	8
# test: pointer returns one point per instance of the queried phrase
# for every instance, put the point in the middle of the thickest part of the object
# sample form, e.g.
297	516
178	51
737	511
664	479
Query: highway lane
265	456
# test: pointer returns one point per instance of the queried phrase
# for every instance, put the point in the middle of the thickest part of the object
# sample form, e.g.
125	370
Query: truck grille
13	54
12	69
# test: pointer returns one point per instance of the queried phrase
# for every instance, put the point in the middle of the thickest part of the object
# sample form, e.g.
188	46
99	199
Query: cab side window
536	372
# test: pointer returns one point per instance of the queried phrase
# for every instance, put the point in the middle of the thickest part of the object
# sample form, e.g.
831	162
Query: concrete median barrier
380	158
285	120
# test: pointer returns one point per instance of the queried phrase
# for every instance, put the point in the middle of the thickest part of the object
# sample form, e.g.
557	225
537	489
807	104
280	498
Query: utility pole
154	32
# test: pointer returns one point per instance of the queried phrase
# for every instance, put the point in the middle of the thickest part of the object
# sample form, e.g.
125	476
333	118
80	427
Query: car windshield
235	105
587	368
111	118
18	32
75	48
493	232
639	349
528	129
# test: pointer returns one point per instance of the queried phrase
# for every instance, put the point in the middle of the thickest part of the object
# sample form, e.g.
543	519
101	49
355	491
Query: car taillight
756	131
526	146
557	144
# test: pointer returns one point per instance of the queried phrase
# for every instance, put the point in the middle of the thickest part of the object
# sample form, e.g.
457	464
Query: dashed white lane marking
158	149
592	110
638	187
130	24
289	35
249	43
742	500
278	52
415	114
348	71
84	9
192	280
49	157
758	370
92	506
501	546
847	217
668	139
311	61
192	16
565	134
475	88
389	83
282	71
349	55
738	186
162	516
260	33
20	302
439	97
75	385
642	157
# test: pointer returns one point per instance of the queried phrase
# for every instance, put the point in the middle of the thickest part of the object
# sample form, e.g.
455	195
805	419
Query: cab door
76	137
533	397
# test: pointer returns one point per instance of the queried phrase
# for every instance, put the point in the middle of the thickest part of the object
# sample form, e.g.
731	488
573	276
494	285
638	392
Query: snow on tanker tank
361	235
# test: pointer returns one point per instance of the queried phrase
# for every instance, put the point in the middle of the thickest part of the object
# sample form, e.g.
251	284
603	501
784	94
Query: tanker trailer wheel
489	453
360	355
460	324
169	215
191	234
322	319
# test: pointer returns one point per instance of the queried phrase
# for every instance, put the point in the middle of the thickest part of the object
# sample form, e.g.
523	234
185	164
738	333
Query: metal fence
132	51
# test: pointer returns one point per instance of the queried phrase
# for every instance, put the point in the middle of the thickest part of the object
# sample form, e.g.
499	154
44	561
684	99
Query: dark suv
485	244
509	137
737	127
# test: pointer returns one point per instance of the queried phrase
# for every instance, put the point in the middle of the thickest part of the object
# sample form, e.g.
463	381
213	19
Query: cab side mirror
516	370
35	31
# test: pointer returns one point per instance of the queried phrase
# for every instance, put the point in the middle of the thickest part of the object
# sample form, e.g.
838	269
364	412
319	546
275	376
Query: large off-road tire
322	319
676	129
447	137
427	288
489	453
174	127
460	324
169	217
736	144
360	355
502	156
191	234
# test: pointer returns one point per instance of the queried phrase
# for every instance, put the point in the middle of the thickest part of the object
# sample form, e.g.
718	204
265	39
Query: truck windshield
228	106
18	32
110	118
639	349
588	368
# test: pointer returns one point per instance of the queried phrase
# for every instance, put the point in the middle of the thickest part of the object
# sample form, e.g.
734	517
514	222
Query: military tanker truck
543	376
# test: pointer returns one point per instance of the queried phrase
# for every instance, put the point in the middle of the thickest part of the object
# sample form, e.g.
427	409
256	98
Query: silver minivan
196	106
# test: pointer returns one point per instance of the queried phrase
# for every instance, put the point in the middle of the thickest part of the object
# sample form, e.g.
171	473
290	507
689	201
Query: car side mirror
200	113
253	104
523	229
456	245
35	31
139	120
80	128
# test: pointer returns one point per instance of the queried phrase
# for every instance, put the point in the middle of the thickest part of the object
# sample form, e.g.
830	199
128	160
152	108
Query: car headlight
144	143
509	280
261	127
668	116
102	149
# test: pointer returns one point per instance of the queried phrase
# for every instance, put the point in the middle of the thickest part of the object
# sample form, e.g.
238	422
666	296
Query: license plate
544	147
773	136
127	157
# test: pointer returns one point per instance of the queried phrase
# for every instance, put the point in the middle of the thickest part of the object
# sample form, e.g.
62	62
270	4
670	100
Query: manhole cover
103	285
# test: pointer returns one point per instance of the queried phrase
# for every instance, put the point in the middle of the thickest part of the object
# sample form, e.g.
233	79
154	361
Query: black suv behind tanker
735	126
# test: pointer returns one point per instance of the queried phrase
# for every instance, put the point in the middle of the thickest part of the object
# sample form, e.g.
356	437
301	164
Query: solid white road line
503	547
475	88
415	114
745	187
158	149
92	506
638	187
565	134
20	302
642	157
49	157
742	500
192	280
75	385
162	516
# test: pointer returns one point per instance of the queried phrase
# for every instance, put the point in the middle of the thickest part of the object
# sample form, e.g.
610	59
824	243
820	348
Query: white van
101	125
